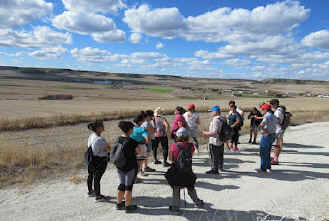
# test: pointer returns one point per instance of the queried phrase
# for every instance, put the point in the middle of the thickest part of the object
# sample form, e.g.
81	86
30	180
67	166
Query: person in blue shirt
141	136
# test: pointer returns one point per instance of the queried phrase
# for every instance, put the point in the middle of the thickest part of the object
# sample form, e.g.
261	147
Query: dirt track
297	189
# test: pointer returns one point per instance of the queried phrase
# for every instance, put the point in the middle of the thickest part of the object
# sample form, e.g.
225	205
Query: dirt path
297	189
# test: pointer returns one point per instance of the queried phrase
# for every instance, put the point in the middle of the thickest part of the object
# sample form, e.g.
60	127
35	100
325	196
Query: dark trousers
216	156
235	136
176	195
96	169
164	145
266	142
196	142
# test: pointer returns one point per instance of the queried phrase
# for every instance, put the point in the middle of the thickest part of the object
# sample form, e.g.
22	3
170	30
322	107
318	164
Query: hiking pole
184	198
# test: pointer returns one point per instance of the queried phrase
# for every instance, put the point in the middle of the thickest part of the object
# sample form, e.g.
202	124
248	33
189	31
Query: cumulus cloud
223	24
159	45
95	55
49	53
319	39
135	38
15	13
103	6
110	36
83	23
41	36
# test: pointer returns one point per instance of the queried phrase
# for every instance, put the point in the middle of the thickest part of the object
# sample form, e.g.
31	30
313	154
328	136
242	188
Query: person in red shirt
177	178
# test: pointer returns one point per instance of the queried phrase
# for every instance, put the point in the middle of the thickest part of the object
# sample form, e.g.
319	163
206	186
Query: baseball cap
266	107
182	132
215	108
191	106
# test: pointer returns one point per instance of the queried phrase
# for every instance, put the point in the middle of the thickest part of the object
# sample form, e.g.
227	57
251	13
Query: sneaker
235	149
148	169
157	162
200	204
101	198
275	162
144	174
269	171
166	164
131	208
260	171
249	141
221	169
212	172
121	206
174	208
138	180
91	194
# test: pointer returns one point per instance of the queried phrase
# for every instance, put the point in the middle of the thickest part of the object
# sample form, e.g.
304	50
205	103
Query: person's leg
176	197
194	196
250	134
90	178
211	152
221	157
255	136
121	188
100	170
215	153
196	142
129	183
262	145
155	145
165	149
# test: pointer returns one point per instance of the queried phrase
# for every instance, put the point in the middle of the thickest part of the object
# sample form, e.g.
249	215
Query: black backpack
226	132
118	157
286	118
89	155
184	160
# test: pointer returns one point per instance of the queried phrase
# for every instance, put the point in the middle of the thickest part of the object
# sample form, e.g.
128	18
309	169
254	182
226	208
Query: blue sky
252	39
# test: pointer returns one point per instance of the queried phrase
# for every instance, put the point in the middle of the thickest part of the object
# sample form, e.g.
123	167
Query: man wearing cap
279	114
268	126
216	146
193	121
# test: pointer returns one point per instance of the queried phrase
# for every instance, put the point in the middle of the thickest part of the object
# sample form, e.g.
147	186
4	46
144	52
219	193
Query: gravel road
298	189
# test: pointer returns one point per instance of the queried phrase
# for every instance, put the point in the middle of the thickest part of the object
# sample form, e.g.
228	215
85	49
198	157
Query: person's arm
166	124
238	120
214	132
262	125
147	139
198	120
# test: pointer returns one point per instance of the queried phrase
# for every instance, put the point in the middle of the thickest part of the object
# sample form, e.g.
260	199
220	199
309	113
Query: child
141	136
127	173
180	177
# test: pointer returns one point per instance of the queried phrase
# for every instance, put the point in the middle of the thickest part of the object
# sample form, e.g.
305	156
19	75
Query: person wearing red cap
193	121
268	126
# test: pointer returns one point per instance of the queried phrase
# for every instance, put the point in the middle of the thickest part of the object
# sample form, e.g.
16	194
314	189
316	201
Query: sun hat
182	132
266	107
215	108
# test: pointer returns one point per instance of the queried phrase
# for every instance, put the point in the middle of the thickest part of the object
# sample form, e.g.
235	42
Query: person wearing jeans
268	126
216	146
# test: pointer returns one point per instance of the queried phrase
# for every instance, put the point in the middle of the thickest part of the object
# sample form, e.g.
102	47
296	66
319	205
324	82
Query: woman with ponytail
97	167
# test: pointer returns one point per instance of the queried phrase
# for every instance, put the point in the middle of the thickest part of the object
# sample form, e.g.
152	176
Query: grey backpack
118	157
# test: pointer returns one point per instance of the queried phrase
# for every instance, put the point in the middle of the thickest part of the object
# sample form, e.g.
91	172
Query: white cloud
41	36
319	39
17	54
83	23
135	38
110	36
223	24
159	45
15	13
95	55
49	53
104	6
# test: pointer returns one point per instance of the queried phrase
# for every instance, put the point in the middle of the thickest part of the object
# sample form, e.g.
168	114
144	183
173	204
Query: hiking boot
200	204
148	169
254	142
174	209
166	164
249	141
157	162
214	172
121	206
275	162
131	208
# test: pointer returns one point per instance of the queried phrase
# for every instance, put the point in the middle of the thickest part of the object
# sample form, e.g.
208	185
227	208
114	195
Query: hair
125	126
233	105
140	117
274	102
95	125
231	102
181	110
149	113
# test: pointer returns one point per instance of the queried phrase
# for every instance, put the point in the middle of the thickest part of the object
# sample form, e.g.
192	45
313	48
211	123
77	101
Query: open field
46	138
296	190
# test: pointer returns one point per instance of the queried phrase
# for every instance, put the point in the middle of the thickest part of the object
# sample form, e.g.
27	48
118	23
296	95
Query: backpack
184	160
88	156
118	157
226	132
286	118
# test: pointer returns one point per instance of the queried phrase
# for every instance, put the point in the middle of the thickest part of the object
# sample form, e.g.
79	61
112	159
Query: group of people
132	150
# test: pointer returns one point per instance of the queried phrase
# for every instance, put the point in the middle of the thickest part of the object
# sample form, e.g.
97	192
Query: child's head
182	135
127	127
139	120
149	114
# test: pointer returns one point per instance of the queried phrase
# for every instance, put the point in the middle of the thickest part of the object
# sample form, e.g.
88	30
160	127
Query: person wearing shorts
254	124
127	174
279	114
141	136
149	126
193	121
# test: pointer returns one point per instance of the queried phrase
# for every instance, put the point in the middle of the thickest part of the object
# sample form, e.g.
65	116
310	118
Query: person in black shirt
127	174
254	124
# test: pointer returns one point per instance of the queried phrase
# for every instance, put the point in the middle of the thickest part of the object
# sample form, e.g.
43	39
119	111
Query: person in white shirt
279	114
97	166
193	121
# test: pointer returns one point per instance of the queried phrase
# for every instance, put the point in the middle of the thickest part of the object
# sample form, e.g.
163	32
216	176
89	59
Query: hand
205	133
